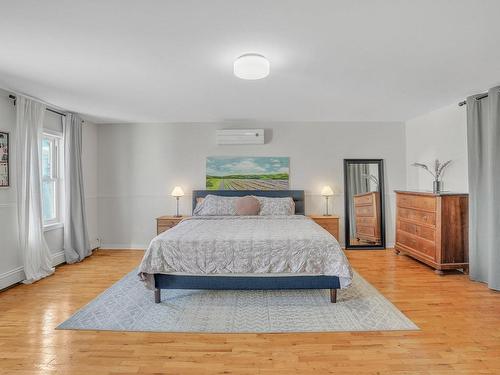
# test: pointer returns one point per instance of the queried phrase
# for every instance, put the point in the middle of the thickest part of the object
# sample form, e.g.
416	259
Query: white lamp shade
177	192
327	191
251	66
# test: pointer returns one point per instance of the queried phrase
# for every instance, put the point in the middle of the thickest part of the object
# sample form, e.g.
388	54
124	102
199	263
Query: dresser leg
439	272
465	270
333	295
157	295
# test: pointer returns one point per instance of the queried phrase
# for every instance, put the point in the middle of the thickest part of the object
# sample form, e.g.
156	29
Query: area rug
129	306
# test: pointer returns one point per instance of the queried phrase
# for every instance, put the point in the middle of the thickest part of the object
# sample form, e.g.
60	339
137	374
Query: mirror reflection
364	194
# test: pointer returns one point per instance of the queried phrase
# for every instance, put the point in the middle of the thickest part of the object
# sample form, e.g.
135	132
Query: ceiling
171	61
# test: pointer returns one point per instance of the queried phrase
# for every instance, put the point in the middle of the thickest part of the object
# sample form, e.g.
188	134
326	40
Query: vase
437	186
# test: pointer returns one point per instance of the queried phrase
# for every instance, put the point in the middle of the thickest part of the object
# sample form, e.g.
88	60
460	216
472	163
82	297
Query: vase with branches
436	171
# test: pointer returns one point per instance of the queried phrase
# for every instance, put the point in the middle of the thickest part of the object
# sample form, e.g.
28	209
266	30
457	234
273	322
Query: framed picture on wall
247	173
4	159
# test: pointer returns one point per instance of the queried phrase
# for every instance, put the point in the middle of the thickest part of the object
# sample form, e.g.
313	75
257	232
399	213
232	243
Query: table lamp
177	193
327	192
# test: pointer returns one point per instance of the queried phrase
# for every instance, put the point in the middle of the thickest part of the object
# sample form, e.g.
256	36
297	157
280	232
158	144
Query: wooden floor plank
459	321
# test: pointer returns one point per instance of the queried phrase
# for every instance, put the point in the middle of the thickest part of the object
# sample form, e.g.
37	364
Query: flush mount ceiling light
251	66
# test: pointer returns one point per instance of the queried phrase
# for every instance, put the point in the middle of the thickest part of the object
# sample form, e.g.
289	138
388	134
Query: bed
246	252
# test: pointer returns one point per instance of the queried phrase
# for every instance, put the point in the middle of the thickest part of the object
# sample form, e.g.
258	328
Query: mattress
265	246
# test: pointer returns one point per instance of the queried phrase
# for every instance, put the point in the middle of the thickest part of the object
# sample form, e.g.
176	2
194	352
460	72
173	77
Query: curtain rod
485	95
12	97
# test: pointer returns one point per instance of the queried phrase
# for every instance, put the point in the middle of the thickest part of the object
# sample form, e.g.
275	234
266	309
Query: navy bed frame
163	281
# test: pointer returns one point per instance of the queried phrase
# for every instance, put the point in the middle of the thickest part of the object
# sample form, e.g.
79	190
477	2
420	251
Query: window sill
49	227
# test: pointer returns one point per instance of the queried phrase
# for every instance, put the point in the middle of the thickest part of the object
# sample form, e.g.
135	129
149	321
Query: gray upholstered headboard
296	195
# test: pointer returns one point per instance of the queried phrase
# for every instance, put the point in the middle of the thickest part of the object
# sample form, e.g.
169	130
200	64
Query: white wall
10	258
139	164
89	165
11	270
441	134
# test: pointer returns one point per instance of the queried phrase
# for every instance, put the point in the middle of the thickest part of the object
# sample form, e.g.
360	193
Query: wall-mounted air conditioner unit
240	136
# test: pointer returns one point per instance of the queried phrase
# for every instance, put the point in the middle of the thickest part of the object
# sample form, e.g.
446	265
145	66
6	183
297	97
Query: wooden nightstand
330	223
166	222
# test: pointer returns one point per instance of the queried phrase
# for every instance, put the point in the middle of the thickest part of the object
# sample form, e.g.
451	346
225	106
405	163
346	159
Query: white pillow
276	206
215	205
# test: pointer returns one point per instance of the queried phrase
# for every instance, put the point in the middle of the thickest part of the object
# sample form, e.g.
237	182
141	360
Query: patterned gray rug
129	306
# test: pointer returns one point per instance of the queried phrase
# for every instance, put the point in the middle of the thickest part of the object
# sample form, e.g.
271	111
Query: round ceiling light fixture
251	66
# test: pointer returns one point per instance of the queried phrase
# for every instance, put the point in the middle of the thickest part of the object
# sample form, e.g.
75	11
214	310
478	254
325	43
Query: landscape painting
247	173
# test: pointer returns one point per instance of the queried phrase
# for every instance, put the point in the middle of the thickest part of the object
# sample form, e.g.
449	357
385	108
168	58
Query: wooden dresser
433	228
330	223
166	222
367	211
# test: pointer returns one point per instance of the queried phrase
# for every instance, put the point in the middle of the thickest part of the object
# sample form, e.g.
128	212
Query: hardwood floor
459	321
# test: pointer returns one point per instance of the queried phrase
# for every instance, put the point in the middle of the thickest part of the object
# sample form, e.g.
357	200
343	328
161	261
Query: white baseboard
123	246
94	244
58	258
11	277
17	274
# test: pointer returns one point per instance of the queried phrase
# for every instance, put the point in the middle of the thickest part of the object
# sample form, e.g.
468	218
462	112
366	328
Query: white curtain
483	140
76	238
36	255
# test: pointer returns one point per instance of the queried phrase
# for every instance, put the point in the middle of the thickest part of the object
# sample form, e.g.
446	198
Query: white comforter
258	245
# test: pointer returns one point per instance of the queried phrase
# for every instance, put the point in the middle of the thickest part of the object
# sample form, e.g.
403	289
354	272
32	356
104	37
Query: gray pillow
276	206
214	205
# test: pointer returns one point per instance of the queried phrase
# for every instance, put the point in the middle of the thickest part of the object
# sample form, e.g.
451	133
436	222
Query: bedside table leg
439	272
157	295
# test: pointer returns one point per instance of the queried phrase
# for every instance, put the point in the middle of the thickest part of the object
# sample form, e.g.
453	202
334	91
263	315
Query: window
52	185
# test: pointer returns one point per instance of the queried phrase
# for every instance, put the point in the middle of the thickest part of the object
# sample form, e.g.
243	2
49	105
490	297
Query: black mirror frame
380	163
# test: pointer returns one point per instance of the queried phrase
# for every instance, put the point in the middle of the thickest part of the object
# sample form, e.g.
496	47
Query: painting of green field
247	173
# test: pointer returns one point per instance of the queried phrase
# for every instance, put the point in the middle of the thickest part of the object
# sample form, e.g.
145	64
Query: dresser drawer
415	215
367	231
417	244
406	239
330	227
331	224
366	221
363	200
418	202
168	223
417	230
427	247
365	211
162	228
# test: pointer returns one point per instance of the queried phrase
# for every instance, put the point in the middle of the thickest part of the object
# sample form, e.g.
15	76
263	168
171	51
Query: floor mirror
364	203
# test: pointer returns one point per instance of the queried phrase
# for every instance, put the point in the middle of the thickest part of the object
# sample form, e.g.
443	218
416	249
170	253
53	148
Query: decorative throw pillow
247	205
214	205
276	206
